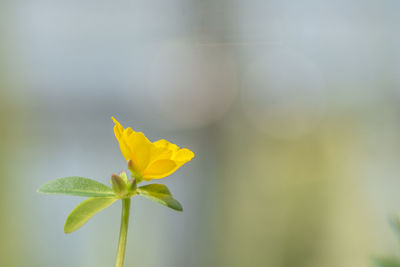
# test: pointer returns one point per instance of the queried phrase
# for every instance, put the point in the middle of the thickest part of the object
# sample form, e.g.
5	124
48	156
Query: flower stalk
126	203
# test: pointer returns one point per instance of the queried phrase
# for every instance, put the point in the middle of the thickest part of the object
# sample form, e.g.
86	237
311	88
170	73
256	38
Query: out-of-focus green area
292	110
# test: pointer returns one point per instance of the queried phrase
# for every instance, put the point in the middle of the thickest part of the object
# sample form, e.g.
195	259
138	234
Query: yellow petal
160	169
118	129
184	154
163	150
134	146
164	167
149	160
129	131
161	143
167	145
140	148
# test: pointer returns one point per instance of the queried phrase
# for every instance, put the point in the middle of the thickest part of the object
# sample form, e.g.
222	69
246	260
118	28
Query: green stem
126	203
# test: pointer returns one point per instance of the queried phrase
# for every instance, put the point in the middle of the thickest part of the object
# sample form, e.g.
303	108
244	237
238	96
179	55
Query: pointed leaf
84	211
160	194
77	186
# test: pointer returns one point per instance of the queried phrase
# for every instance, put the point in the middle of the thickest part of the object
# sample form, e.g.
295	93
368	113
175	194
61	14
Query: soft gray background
290	106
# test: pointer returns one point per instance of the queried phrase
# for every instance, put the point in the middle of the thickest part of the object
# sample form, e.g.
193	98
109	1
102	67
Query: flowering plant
145	160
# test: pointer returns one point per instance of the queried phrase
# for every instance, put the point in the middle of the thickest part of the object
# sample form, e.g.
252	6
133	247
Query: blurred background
291	107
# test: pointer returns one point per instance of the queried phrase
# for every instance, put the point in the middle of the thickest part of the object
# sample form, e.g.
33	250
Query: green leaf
77	186
84	211
160	194
386	262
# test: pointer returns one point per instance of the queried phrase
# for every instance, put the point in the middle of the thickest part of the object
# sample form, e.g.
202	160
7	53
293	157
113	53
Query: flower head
147	160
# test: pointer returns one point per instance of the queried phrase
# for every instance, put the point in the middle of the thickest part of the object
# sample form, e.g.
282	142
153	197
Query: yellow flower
148	160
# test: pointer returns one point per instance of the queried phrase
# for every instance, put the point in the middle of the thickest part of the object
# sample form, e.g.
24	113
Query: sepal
119	186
